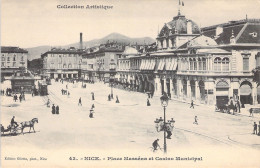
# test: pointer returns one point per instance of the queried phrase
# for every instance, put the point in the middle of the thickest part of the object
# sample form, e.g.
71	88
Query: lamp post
112	70
161	124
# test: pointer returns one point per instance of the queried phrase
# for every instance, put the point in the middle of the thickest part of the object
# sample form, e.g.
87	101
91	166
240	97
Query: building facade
208	65
12	58
96	61
62	63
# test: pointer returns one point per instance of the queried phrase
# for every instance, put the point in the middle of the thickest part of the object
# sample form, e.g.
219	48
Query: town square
188	96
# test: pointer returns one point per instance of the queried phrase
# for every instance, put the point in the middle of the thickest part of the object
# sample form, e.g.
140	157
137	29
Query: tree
256	73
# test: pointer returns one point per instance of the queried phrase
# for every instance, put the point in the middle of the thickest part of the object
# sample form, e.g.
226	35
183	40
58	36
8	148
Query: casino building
209	65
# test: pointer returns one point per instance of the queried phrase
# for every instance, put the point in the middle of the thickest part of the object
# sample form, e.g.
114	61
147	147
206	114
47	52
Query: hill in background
36	52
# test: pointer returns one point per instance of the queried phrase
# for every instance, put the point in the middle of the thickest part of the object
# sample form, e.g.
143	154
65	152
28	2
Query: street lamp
161	124
112	69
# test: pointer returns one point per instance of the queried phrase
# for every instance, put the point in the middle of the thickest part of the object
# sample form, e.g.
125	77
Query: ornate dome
180	25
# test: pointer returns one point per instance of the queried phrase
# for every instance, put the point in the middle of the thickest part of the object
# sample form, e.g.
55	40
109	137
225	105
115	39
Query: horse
28	124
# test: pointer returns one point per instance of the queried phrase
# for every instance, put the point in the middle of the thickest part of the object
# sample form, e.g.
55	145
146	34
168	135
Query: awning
173	65
152	65
142	65
146	64
168	65
161	65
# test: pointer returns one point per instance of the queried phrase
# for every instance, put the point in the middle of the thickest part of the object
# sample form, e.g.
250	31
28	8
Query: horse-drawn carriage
14	129
223	105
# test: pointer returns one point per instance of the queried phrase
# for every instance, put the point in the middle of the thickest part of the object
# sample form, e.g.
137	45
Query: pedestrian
259	129
91	113
68	94
112	97
15	97
109	98
93	106
195	120
32	93
93	96
251	112
67	86
255	128
57	110
148	102
155	145
231	106
53	109
169	134
192	104
48	103
62	91
117	100
20	98
238	105
80	102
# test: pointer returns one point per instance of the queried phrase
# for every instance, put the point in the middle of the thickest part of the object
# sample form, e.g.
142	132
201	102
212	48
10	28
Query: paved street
127	126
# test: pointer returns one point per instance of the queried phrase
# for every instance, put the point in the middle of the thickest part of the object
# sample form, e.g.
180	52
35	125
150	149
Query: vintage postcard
120	83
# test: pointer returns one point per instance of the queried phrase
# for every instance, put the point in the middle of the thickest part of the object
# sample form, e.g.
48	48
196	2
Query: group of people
255	129
65	92
8	92
3	92
55	110
234	105
21	97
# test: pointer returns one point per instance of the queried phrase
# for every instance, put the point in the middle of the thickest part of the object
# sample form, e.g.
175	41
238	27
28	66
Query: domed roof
202	41
179	25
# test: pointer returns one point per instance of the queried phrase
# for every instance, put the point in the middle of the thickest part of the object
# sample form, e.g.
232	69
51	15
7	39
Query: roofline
85	54
231	23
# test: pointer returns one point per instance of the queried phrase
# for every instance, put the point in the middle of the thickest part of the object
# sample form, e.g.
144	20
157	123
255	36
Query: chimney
80	42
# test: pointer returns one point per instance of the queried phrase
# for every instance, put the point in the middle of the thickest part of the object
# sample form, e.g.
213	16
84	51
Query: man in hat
13	122
156	145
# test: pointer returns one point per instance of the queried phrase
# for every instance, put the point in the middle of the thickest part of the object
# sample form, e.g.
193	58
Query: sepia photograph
120	83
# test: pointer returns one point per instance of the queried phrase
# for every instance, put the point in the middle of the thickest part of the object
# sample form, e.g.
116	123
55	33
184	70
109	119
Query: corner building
209	65
62	63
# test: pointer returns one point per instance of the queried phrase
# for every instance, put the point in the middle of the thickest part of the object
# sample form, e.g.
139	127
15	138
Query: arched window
64	66
22	58
195	64
225	64
200	64
69	66
204	65
8	58
191	65
217	64
14	58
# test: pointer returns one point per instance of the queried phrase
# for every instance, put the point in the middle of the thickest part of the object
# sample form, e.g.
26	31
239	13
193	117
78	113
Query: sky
31	23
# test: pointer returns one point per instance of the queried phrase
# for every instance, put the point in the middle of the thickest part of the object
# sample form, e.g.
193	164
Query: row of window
14	58
65	55
14	64
52	66
221	64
